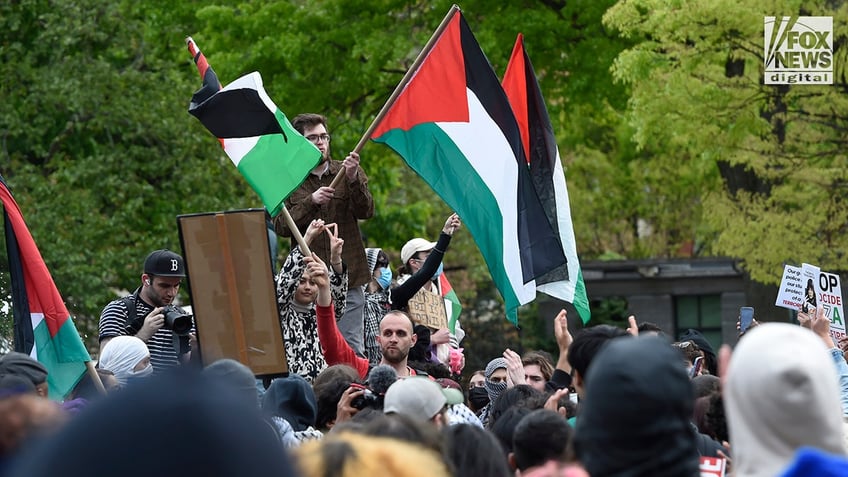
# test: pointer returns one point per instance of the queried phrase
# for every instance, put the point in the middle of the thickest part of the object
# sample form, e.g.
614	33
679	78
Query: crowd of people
373	391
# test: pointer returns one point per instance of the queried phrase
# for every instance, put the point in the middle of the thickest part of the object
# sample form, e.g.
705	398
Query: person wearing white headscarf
127	357
781	393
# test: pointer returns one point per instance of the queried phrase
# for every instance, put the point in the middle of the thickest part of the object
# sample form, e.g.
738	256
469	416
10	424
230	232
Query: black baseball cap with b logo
164	263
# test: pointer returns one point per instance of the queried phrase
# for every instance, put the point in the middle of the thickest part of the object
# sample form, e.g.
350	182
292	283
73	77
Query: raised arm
820	325
562	373
336	349
401	294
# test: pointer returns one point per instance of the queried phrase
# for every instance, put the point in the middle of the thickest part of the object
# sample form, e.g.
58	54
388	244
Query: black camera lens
177	320
368	399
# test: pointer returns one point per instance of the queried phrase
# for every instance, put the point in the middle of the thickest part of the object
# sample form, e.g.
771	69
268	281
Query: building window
700	312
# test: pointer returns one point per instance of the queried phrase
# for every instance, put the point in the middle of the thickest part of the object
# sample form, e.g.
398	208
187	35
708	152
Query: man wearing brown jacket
343	205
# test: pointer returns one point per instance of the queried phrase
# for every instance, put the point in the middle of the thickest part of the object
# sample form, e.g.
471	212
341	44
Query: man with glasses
343	205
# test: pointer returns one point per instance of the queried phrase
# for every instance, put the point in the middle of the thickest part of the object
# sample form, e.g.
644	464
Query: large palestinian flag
43	326
540	147
453	125
271	155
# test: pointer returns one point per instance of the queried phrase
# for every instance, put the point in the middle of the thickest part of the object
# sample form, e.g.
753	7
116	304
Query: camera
367	399
177	320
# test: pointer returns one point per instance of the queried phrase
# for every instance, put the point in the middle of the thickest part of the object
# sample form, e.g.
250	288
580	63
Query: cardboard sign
428	308
713	466
232	289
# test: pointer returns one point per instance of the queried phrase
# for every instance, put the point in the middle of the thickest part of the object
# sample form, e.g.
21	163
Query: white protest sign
830	298
806	288
791	292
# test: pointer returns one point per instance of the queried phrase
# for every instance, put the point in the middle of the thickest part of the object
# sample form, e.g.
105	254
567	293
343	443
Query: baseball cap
23	365
414	246
164	263
419	398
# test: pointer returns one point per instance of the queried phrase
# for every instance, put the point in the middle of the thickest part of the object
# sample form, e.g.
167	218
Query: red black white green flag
43	327
271	155
453	125
540	148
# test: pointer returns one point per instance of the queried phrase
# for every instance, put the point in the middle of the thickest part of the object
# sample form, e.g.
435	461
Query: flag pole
95	378
400	87
295	231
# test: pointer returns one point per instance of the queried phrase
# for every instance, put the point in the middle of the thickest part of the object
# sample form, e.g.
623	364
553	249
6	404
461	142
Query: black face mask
478	397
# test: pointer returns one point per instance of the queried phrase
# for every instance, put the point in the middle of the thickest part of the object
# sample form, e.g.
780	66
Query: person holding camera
149	314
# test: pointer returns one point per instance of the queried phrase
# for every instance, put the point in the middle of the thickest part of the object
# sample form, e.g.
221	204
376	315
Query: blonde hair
353	455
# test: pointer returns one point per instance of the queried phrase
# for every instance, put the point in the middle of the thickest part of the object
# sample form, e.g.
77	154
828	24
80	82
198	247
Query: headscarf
179	423
781	393
494	389
121	354
635	419
23	365
371	255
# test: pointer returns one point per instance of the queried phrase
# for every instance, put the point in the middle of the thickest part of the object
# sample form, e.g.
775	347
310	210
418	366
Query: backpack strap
134	323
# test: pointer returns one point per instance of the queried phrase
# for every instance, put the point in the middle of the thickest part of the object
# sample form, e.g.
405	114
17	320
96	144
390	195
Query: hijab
121	355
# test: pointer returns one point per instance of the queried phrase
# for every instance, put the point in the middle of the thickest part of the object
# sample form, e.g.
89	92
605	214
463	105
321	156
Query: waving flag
453	125
271	155
540	147
452	304
43	326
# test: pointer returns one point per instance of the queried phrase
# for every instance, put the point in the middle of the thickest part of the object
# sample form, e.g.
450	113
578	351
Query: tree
97	145
767	162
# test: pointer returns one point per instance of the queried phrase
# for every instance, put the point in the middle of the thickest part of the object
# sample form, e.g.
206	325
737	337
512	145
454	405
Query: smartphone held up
746	318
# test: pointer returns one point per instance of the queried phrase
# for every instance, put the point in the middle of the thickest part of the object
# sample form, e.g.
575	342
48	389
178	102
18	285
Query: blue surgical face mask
385	278
438	271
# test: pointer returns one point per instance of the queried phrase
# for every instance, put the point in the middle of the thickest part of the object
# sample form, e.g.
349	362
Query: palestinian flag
540	148
453	125
43	326
452	304
271	155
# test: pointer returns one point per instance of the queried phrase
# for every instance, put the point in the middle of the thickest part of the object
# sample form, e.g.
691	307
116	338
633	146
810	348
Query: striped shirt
114	322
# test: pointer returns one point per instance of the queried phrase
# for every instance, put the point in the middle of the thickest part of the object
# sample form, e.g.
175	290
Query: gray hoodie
782	393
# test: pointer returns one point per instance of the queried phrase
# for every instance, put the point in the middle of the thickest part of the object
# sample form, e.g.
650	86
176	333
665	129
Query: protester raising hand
805	319
820	325
514	368
843	345
317	272
563	339
633	329
316	227
336	246
452	224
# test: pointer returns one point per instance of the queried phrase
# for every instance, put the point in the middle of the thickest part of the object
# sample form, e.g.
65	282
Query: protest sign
791	292
713	466
428	308
807	288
